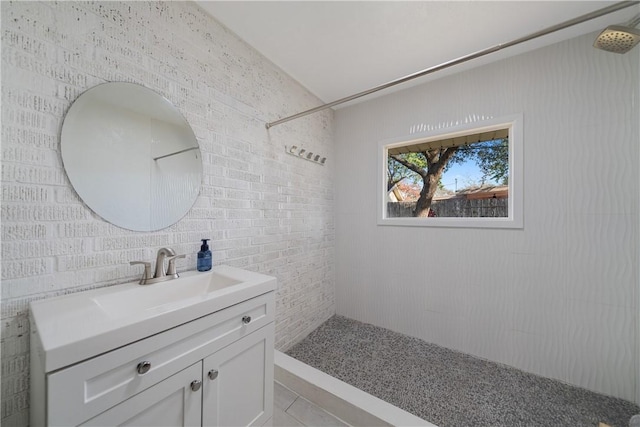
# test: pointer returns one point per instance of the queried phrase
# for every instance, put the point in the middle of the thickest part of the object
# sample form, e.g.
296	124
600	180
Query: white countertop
75	327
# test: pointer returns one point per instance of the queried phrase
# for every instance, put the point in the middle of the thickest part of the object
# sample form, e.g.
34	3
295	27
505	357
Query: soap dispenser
204	257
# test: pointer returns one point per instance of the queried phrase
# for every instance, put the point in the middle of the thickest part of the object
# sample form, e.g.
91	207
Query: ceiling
338	48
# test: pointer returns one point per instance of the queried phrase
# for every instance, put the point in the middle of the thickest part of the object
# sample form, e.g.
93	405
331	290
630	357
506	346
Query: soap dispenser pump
204	257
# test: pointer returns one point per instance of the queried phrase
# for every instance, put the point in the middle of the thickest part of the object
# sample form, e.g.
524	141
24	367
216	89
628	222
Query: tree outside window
422	165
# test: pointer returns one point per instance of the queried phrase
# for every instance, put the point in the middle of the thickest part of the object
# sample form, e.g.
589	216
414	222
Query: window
466	176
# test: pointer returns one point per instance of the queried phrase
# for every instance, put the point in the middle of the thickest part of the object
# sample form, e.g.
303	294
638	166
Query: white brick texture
264	210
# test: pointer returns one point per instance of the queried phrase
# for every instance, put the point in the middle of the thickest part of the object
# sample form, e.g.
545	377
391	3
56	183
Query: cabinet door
238	382
172	402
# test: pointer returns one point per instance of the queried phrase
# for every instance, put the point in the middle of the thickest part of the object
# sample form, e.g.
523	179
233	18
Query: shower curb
350	404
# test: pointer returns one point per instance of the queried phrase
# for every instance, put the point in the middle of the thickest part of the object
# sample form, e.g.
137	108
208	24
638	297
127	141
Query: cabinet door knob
213	374
246	320
195	385
143	367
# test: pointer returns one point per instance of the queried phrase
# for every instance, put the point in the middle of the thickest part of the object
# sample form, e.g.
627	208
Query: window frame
515	219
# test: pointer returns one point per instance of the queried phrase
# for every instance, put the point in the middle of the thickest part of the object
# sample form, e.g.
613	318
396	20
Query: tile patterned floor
292	410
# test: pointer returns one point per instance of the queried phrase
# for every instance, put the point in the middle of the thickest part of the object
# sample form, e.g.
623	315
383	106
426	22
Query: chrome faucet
160	275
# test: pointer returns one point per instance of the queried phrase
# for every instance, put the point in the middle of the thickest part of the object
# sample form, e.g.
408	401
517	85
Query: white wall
264	210
558	298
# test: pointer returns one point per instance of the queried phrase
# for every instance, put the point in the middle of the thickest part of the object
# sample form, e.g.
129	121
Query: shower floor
449	388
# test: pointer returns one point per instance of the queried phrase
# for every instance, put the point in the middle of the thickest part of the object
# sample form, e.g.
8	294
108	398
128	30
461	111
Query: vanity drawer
86	389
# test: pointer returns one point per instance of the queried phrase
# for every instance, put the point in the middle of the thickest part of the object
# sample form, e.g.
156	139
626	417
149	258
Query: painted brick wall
264	210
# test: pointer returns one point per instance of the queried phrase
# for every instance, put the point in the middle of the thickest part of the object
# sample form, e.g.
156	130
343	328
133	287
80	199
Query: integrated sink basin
78	326
163	296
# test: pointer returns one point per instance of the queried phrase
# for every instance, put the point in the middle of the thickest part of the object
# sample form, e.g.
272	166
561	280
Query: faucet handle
147	270
171	270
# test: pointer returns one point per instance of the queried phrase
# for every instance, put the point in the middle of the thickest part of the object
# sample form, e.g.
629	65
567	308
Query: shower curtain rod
580	19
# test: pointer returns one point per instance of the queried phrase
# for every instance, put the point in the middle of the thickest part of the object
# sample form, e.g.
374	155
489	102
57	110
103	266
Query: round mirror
131	156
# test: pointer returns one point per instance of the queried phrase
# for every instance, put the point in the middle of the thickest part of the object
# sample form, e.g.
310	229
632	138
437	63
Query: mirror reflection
131	156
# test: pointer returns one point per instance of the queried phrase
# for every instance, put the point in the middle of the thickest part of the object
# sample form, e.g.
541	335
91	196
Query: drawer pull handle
195	385
246	320
213	374
143	367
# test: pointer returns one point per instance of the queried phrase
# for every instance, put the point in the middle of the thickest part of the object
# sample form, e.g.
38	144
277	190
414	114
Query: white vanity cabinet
214	370
234	389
